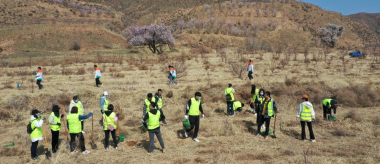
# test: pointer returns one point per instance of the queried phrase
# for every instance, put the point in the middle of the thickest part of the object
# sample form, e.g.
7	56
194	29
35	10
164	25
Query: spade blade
93	145
48	154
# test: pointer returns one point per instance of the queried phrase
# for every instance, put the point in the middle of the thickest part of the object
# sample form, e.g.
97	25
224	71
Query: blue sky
347	7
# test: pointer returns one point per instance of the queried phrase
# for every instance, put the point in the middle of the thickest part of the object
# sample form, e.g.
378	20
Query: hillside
371	20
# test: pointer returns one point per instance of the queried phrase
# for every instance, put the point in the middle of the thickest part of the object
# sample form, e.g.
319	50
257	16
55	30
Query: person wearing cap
158	98
151	121
75	102
328	104
104	102
36	124
75	129
97	76
238	105
149	99
39	77
194	105
229	93
55	126
306	115
172	75
110	125
250	70
268	109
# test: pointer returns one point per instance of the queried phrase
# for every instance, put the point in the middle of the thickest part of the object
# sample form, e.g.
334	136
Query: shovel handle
43	129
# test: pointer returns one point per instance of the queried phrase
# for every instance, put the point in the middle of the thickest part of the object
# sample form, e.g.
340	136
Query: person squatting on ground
98	75
55	126
39	77
172	75
104	102
229	93
75	129
36	135
151	121
250	70
268	109
238	106
194	105
306	115
329	104
160	104
109	125
77	103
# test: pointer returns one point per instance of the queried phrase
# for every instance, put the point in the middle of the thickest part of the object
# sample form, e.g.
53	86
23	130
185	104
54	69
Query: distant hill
371	20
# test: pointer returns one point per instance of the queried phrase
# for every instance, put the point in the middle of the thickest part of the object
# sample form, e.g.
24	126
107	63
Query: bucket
186	124
121	137
263	133
333	118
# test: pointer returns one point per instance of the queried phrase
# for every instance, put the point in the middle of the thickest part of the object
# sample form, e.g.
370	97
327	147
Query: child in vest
151	121
36	135
75	129
55	126
109	125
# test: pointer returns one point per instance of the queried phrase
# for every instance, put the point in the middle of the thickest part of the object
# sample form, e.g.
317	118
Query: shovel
92	143
47	152
66	132
274	128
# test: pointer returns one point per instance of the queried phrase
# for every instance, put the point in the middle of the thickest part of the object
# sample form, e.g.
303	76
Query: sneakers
163	150
74	152
256	134
116	148
102	84
106	148
313	140
195	139
35	158
83	132
266	137
186	135
86	152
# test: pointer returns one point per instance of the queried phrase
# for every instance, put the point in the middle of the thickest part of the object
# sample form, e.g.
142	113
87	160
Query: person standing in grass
194	105
36	124
149	99
158	97
104	102
172	75
55	126
250	70
328	104
268	109
76	103
229	93
97	76
75	129
109	125
151	121
306	115
39	77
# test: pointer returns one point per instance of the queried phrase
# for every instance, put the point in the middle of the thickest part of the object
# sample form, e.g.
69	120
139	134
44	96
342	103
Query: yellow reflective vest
154	120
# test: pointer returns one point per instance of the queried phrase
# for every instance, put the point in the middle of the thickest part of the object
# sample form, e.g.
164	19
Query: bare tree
238	69
326	51
306	53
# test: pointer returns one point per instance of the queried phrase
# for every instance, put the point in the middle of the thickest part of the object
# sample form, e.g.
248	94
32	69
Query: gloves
59	124
203	115
313	120
186	117
62	115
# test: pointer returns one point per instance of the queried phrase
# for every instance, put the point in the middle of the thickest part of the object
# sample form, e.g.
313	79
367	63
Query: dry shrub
120	75
81	71
22	103
353	115
64	99
342	132
132	123
200	50
376	120
288	153
261	156
143	67
245	94
113	69
67	71
295	71
291	81
346	97
17	150
228	129
5	115
199	160
169	94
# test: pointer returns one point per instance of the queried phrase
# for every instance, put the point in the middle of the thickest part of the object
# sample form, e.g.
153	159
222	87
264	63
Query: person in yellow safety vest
149	99
151	121
36	135
328	104
55	126
77	103
158	97
250	70
98	75
104	102
238	105
39	77
306	115
229	93
194	105
75	129
109	125
268	109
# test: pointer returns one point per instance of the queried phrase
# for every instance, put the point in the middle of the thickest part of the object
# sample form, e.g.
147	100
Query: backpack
29	129
228	97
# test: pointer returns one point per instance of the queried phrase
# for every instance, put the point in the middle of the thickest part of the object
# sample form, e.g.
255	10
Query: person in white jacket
36	135
39	77
172	75
250	70
306	115
97	76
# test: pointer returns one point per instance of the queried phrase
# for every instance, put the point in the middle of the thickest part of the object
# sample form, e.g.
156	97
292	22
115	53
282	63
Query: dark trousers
97	81
82	125
250	75
310	130
33	149
267	123
81	141
230	108
39	84
54	140
156	132
107	134
194	122
327	110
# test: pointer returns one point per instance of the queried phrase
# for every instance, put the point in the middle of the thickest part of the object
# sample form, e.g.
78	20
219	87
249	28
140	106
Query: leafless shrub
342	132
119	75
81	71
169	94
64	99
291	81
376	120
143	67
354	116
238	69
